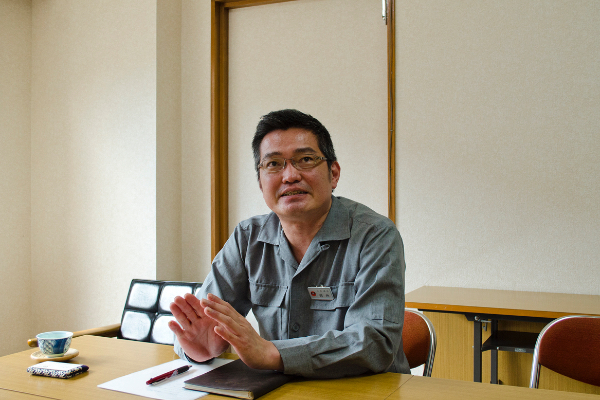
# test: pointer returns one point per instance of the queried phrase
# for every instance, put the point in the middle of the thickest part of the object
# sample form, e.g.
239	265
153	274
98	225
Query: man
323	275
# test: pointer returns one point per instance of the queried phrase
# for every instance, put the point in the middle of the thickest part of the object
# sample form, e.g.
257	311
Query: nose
290	173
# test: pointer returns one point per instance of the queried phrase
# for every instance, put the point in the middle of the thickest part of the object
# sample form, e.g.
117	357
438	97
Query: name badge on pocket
320	293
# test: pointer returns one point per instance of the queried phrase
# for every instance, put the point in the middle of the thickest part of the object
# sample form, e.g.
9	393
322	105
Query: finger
183	313
178	314
221	306
175	308
226	334
240	340
196	305
194	302
218	316
186	308
174	326
224	316
217	300
238	328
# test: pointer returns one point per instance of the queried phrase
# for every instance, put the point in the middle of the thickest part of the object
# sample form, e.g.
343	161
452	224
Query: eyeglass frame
318	160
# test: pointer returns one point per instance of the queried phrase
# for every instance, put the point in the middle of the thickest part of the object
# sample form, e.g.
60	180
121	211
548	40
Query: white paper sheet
169	389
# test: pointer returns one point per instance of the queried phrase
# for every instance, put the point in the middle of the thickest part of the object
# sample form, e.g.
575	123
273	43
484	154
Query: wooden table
107	358
111	358
490	306
9	394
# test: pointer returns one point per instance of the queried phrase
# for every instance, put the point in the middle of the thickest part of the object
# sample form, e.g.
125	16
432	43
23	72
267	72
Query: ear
335	174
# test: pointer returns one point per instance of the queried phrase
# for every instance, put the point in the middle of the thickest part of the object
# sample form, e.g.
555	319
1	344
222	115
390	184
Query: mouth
293	193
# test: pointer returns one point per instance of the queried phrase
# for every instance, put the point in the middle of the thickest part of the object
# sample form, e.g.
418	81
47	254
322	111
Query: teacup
54	344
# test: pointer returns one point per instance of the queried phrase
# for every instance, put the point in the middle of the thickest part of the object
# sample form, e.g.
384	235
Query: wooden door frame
220	113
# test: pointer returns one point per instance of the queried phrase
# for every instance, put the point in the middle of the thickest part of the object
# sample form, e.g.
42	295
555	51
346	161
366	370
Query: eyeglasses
302	162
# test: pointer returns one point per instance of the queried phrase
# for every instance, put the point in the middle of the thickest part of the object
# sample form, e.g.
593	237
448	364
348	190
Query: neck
301	233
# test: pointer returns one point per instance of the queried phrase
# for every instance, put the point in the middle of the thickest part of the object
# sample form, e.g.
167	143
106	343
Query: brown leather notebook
236	379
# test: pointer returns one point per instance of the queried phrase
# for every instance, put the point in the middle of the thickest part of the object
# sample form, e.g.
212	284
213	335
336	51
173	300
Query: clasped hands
205	328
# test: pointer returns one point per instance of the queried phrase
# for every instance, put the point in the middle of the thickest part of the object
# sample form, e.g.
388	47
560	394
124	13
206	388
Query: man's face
296	195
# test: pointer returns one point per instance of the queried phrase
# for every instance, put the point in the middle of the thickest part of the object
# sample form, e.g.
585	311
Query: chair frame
428	368
114	330
535	366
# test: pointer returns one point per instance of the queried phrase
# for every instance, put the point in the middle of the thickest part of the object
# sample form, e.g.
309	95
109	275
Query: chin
290	209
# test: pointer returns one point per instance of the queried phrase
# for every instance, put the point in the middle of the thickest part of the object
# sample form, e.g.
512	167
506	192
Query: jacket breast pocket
267	301
327	315
343	297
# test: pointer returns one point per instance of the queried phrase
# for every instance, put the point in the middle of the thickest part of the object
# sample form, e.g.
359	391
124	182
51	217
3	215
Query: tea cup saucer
39	356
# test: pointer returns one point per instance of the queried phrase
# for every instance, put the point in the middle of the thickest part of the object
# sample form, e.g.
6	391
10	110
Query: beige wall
498	121
195	138
107	135
168	140
93	169
15	165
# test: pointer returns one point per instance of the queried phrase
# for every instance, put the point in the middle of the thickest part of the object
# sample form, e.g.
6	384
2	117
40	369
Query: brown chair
569	346
146	312
418	337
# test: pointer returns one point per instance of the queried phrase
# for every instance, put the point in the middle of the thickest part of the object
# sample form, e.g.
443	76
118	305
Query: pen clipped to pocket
55	369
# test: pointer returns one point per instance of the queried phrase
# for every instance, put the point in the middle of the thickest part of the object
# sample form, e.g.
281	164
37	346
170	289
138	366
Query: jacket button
295	327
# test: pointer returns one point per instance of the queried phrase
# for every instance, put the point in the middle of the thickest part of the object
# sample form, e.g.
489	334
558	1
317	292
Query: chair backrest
569	346
419	340
147	312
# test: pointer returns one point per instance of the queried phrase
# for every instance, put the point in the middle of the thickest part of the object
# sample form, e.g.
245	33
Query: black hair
287	119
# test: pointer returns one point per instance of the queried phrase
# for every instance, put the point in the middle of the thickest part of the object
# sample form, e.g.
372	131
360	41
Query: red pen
169	374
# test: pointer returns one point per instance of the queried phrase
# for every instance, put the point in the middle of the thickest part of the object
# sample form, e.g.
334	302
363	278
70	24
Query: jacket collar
335	227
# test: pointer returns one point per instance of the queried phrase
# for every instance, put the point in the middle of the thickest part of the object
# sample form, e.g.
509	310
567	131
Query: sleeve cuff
296	358
179	350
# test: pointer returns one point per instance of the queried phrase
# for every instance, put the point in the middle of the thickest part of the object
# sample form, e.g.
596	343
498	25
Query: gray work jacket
357	253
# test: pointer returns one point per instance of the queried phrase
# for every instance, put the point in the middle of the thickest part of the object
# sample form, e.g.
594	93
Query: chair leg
535	377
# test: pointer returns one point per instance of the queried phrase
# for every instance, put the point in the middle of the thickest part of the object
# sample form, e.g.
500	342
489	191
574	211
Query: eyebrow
301	150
